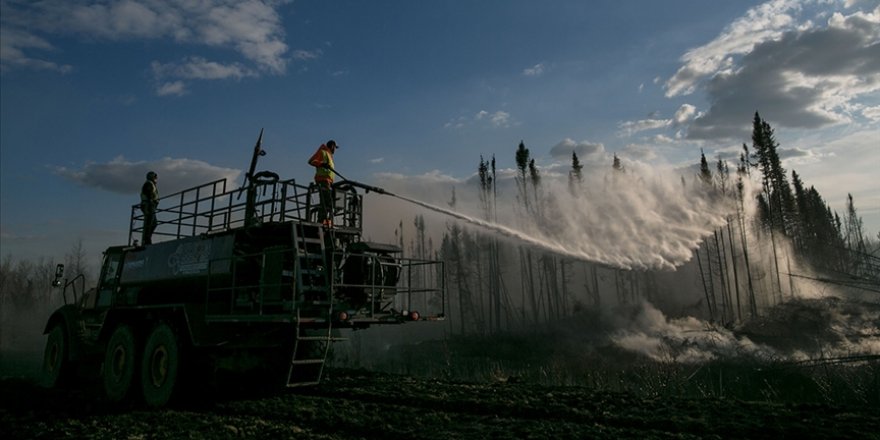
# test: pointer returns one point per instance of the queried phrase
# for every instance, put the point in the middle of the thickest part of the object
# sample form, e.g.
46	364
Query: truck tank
246	280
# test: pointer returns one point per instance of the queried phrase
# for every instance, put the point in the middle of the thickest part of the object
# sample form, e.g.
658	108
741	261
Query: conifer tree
575	176
777	192
616	165
522	163
705	172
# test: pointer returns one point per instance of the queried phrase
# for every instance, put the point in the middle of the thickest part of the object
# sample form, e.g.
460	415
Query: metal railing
210	208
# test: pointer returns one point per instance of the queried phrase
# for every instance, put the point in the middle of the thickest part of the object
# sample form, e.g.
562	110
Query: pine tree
486	183
616	165
575	176
775	203
722	173
855	238
777	192
705	172
803	222
522	163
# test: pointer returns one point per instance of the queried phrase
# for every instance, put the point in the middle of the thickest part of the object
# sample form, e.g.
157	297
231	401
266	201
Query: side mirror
59	273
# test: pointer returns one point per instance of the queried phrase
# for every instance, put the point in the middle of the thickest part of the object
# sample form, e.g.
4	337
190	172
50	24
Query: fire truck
248	280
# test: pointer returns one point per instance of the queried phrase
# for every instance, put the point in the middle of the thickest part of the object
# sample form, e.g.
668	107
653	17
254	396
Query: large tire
120	364
159	366
57	367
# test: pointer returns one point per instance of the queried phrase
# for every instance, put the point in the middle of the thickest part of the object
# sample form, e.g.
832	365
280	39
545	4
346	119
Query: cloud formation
684	114
124	177
536	70
251	28
761	23
563	150
497	119
803	74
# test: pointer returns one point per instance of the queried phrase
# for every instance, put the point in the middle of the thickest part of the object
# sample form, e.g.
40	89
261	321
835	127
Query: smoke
795	331
687	340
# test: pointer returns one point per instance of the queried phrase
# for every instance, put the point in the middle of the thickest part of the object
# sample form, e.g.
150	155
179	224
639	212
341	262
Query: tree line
26	293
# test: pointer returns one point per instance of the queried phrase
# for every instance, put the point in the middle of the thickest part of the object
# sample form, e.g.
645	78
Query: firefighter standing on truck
149	206
322	160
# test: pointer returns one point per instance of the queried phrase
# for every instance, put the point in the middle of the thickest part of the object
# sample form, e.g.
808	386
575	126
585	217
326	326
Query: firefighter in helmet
149	206
322	160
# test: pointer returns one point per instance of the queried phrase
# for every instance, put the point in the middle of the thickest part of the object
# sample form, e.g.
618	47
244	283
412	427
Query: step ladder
314	306
311	265
310	349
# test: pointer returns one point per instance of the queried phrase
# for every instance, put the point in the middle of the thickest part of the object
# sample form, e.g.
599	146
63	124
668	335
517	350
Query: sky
93	94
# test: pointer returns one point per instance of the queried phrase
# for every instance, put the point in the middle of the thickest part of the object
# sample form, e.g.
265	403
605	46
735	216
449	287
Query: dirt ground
354	404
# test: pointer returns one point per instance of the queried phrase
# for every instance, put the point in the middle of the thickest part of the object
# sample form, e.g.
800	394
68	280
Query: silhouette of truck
259	286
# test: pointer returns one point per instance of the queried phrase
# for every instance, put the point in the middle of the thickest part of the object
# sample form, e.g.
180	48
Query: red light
343	316
414	315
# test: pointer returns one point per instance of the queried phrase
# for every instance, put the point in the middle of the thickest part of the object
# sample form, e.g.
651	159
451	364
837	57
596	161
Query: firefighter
322	160
149	206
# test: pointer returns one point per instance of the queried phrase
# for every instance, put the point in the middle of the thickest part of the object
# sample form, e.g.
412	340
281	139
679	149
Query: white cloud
251	28
803	76
761	23
628	128
14	43
175	88
200	68
499	119
536	70
684	114
662	139
305	55
563	150
872	113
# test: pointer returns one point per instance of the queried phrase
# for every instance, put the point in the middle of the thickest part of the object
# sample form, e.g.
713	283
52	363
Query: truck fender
69	317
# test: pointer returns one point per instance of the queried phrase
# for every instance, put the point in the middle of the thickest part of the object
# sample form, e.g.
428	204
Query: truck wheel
119	364
159	366
56	364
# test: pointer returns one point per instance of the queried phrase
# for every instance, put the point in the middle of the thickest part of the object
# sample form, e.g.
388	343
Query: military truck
258	286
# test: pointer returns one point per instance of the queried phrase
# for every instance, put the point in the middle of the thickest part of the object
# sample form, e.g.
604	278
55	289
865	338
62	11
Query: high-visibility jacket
321	157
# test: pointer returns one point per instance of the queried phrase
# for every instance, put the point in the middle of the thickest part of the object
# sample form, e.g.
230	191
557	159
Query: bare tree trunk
722	265
753	305
776	264
705	286
735	271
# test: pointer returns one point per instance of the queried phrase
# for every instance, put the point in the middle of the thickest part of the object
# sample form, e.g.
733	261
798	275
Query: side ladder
314	306
311	265
310	351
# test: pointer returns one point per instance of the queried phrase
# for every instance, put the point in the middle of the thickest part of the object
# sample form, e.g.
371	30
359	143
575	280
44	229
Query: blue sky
93	94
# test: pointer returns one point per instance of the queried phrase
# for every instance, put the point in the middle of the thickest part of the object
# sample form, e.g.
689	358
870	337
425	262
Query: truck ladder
312	270
310	351
314	306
